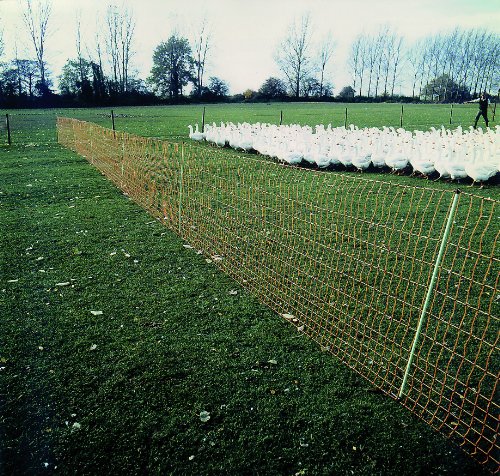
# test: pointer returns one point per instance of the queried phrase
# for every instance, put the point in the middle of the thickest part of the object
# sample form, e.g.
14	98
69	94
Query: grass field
170	122
116	337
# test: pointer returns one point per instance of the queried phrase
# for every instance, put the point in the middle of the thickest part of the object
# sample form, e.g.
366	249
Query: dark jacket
483	104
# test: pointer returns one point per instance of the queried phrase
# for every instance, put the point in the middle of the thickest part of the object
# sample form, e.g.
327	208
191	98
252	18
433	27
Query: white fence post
429	292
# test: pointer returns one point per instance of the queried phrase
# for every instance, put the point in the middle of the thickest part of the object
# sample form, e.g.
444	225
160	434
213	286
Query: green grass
170	122
173	340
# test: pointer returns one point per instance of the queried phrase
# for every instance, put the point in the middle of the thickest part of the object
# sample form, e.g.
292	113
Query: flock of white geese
443	153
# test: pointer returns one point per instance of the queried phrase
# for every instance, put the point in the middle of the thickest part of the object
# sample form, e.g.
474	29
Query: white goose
480	170
196	135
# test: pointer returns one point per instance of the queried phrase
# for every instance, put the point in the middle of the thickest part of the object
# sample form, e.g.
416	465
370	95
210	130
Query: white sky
246	33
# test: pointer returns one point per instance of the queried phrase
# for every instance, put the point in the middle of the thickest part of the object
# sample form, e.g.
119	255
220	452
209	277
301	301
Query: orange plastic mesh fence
347	260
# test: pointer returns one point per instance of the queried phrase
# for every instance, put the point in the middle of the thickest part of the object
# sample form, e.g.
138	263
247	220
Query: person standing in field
483	108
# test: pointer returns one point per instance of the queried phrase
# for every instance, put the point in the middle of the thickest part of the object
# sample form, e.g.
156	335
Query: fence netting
347	260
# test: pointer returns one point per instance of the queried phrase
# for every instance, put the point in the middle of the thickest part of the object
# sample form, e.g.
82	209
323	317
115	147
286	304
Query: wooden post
8	128
281	117
113	123
401	117
451	112
203	120
345	119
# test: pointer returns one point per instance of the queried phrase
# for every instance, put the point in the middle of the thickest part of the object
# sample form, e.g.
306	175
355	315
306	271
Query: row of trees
445	67
23	80
451	67
375	62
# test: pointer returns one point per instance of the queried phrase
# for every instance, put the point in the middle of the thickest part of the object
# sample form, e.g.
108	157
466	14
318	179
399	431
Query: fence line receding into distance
348	260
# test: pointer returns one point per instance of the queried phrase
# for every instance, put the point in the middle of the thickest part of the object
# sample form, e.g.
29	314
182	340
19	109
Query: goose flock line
452	154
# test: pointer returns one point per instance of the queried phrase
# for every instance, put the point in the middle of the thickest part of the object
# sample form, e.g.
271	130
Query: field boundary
399	282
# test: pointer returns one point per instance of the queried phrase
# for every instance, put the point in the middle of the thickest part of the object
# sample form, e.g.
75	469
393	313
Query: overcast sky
246	33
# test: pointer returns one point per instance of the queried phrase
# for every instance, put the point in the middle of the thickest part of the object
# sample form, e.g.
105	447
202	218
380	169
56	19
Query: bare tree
357	61
2	44
389	58
326	49
465	58
371	54
113	25
492	67
293	57
201	46
37	20
380	45
79	49
396	61
120	32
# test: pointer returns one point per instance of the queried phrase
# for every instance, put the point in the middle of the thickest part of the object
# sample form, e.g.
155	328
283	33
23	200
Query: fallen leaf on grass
93	347
233	292
204	416
96	313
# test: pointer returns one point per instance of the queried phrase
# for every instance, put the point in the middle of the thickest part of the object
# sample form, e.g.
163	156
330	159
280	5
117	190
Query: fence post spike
430	290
